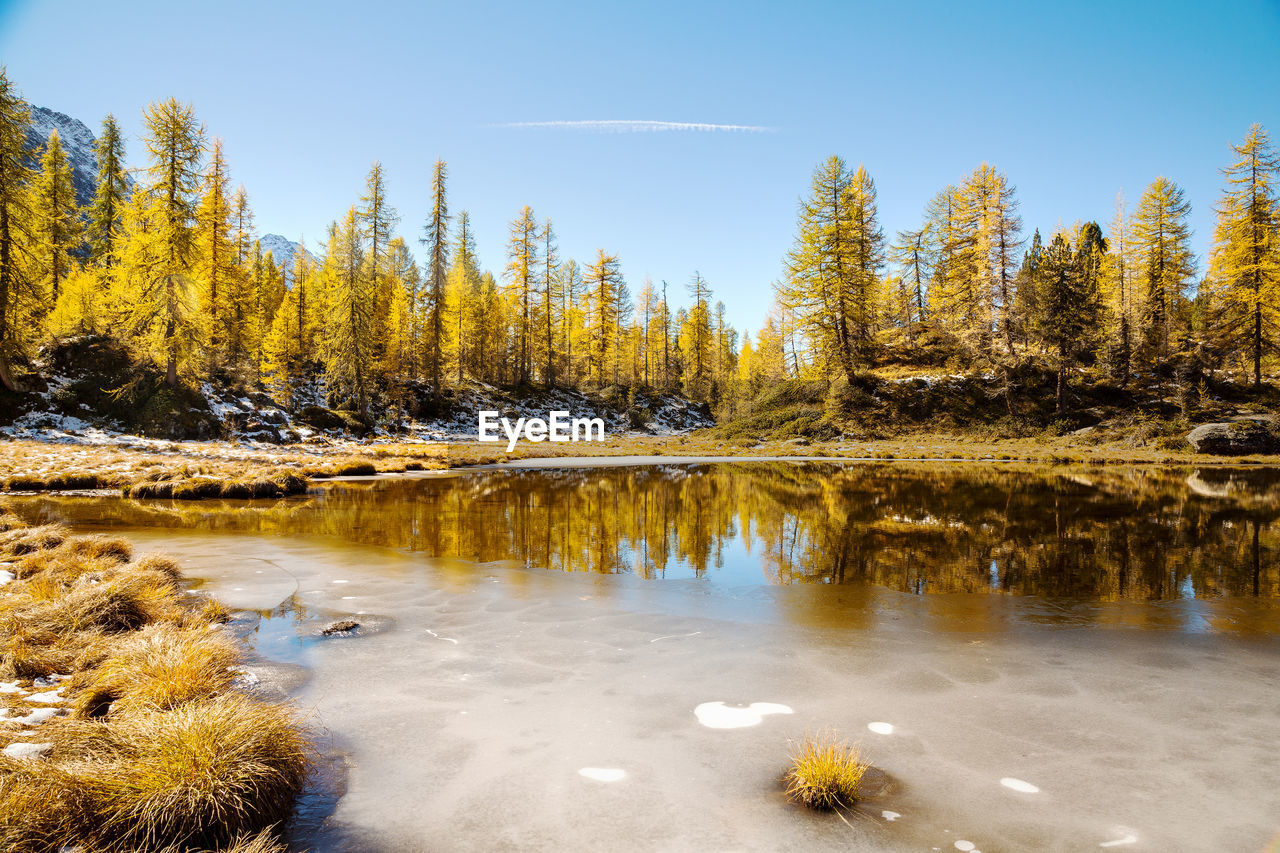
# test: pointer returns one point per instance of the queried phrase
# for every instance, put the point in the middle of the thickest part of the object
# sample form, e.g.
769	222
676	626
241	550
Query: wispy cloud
639	126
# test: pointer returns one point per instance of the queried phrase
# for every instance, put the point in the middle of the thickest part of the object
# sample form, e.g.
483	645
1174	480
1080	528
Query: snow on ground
257	423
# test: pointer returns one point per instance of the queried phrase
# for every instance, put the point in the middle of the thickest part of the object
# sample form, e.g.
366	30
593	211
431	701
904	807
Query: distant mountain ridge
77	141
282	250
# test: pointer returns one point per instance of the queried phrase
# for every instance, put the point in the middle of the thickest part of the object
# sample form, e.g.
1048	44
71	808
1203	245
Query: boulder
342	626
1236	438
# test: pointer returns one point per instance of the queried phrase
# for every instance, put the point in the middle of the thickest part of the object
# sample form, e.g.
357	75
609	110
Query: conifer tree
106	211
435	238
175	142
1164	261
571	314
464	286
487	329
699	335
547	308
290	345
18	293
522	274
348	340
1069	304
603	281
217	267
56	219
912	254
242	222
646	309
1245	259
834	269
1118	292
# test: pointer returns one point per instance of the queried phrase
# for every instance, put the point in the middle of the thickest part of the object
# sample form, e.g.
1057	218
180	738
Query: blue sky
1072	101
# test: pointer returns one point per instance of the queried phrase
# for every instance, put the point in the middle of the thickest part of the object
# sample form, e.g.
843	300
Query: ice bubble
881	728
890	816
717	715
1019	785
966	846
603	774
341	581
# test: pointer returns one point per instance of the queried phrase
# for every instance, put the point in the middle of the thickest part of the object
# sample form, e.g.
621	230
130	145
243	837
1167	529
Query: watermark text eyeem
558	427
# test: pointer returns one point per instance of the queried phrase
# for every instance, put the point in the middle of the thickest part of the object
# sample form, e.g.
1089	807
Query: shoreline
238	470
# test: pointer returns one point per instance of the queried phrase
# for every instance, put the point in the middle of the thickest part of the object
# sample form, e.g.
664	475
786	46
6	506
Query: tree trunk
1062	377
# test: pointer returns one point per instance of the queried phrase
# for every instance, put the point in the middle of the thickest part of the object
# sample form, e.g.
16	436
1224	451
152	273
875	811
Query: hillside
89	390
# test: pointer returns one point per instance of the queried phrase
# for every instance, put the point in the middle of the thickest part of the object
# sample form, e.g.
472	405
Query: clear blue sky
1073	101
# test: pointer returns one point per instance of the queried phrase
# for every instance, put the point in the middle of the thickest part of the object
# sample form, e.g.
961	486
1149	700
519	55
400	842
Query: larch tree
377	220
1163	259
348	345
912	255
56	219
105	213
550	261
996	238
522	274
175	142
1245	258
435	240
699	335
464	288
833	270
603	281
571	316
1118	293
646	309
290	344
19	297
217	253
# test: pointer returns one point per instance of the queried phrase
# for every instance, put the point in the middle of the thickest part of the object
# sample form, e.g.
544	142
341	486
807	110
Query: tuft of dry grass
203	773
161	666
825	772
162	753
41	806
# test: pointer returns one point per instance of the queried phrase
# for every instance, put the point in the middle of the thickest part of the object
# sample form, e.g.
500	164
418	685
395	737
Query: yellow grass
162	753
825	772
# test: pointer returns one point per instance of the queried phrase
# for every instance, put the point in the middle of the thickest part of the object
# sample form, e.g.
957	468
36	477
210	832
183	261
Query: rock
342	626
27	750
1237	438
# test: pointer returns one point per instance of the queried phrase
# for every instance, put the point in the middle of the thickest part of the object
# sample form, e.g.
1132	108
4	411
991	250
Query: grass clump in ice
825	772
148	745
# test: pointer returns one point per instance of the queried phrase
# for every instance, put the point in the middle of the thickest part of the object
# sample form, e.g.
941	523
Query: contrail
639	126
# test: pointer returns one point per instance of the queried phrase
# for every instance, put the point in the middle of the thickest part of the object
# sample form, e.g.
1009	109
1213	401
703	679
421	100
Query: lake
618	656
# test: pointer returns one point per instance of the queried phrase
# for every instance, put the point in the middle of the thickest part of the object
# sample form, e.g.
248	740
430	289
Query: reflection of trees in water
1124	533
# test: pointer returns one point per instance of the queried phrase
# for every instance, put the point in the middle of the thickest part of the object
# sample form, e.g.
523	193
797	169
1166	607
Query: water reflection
1102	535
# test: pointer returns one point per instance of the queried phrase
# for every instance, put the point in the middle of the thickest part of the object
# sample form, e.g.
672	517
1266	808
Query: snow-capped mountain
77	141
282	250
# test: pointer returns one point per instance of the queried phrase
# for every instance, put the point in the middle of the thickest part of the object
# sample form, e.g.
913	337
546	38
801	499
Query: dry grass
201	774
825	772
162	666
198	470
162	753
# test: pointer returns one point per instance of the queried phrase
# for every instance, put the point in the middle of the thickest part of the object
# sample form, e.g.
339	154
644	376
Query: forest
166	262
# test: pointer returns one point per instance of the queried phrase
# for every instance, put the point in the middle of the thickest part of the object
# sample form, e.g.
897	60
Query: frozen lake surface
1035	662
